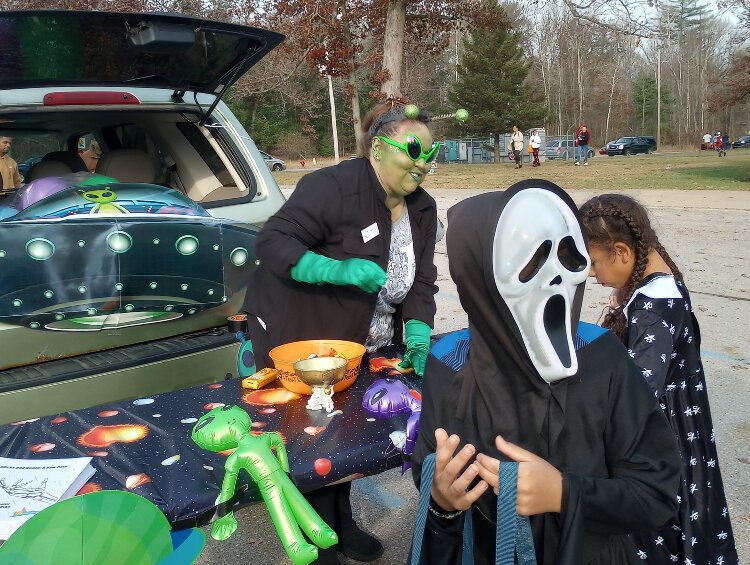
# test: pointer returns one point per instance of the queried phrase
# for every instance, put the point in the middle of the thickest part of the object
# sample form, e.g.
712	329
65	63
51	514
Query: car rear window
30	146
207	153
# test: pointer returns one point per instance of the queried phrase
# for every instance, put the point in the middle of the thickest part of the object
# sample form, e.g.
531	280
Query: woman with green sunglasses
350	256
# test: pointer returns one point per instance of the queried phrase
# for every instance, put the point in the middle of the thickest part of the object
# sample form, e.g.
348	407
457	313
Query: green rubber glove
317	269
417	338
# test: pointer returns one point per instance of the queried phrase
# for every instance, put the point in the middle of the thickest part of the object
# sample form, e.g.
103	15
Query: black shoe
327	557
359	545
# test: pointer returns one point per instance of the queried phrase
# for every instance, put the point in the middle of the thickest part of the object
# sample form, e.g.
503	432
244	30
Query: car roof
51	48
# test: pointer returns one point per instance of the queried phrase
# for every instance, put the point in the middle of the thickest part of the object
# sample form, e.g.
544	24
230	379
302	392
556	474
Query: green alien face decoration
221	428
99	196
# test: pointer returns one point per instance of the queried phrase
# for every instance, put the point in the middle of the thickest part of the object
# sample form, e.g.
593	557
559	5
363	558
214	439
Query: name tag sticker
370	232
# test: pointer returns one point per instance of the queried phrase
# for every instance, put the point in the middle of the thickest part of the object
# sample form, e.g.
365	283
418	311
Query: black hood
499	391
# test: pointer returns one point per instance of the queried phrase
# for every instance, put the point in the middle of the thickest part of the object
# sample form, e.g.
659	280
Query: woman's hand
316	269
449	485
539	483
362	273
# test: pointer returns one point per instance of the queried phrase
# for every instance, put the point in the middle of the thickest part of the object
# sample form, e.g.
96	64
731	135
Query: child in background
653	317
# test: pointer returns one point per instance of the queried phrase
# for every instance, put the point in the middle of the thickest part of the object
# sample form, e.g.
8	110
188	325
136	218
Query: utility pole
658	93
333	121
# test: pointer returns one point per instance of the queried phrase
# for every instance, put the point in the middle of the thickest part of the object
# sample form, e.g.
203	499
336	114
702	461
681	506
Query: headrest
127	165
47	169
72	160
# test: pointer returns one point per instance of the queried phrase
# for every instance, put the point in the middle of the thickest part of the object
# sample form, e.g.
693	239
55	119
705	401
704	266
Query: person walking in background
653	316
718	143
582	142
725	142
706	141
516	143
536	142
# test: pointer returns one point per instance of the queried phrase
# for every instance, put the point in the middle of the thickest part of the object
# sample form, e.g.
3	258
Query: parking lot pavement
706	234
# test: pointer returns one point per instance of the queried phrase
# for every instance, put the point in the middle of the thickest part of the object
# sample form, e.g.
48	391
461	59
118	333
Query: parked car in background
743	141
274	163
632	145
562	148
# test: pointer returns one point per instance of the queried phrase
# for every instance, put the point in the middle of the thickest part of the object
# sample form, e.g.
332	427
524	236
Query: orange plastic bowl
285	356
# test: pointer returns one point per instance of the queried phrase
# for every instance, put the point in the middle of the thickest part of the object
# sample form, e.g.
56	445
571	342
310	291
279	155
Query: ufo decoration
92	258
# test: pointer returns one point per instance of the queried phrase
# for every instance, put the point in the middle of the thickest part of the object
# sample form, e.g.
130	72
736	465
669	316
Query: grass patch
679	171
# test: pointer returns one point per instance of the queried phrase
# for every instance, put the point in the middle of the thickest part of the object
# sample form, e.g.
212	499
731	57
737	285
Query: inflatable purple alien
386	398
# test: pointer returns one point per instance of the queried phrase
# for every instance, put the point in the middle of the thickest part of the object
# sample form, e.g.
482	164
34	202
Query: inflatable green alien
228	427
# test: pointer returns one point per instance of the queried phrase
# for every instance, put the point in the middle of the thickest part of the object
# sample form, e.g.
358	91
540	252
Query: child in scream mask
528	382
653	316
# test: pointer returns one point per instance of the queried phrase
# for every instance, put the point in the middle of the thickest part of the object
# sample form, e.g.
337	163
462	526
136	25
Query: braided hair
612	218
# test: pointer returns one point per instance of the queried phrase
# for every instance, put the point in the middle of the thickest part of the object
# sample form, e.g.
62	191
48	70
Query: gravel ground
707	235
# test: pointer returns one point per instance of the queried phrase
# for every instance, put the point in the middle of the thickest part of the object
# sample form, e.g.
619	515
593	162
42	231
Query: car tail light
88	98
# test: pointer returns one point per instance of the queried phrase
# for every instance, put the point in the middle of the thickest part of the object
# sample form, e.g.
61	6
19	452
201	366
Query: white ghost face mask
539	260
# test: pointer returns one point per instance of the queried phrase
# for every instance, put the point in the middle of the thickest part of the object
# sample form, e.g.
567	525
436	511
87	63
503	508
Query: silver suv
274	163
118	283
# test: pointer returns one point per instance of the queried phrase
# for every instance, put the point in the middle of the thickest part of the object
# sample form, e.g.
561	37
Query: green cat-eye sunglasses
413	148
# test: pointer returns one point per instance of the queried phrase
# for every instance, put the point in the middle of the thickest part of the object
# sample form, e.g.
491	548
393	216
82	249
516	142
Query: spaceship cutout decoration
91	258
321	373
228	428
386	398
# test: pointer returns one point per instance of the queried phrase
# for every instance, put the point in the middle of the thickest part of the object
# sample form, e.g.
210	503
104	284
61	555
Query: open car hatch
50	48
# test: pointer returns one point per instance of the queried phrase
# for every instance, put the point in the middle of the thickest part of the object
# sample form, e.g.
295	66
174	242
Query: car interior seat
47	169
127	165
72	160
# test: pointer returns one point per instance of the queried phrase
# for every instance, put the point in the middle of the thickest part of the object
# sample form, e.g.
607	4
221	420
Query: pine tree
491	80
644	100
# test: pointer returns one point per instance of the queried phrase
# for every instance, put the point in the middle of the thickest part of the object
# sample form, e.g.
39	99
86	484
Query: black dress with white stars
664	341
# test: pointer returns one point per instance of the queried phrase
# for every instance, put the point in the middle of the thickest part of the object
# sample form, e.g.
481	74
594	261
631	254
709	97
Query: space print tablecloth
144	446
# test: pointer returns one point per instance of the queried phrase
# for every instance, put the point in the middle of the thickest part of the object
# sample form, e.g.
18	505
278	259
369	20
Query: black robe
619	463
664	341
601	427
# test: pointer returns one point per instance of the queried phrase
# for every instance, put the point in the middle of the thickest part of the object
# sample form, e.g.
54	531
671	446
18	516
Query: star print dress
664	341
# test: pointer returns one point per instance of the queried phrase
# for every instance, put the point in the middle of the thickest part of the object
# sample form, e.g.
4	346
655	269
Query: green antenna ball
462	115
411	111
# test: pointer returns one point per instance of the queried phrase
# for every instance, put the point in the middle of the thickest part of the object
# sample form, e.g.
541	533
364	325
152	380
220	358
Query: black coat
619	461
326	214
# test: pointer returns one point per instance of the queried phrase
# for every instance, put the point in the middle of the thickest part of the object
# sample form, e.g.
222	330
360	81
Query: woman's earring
377	156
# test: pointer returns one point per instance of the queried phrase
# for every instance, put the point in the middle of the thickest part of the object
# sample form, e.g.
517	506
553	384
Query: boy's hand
539	483
449	487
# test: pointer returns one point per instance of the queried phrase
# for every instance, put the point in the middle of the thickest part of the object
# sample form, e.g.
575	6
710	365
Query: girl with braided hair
653	316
